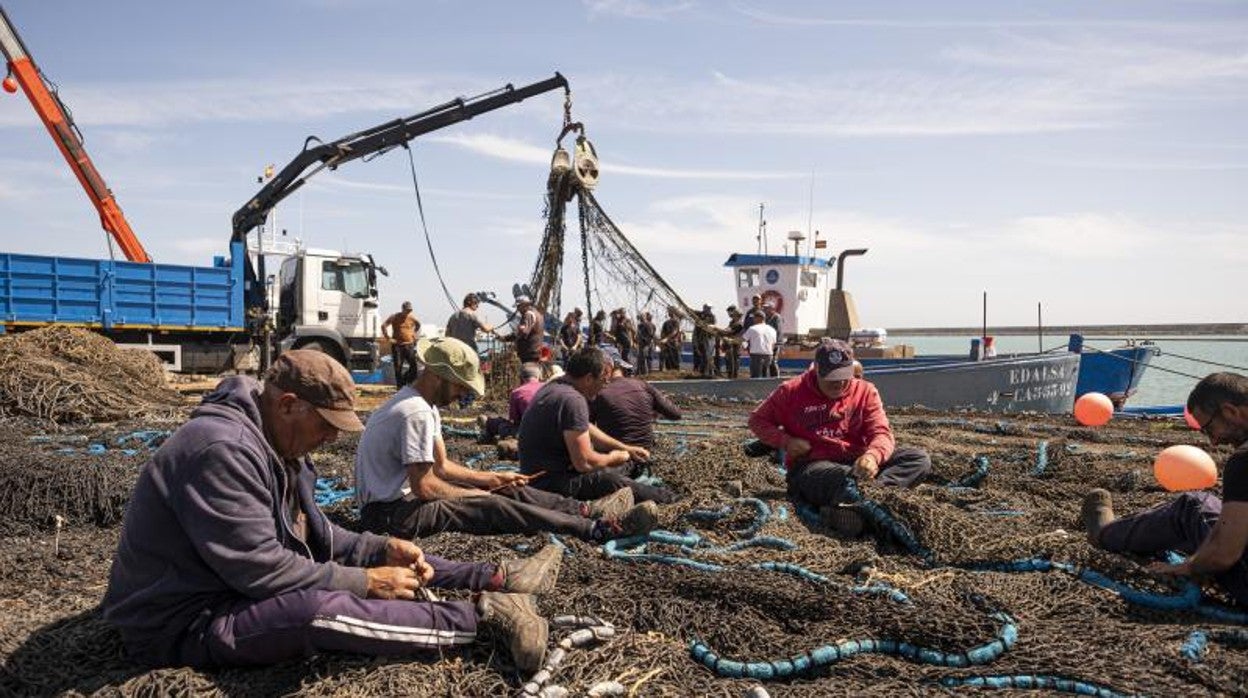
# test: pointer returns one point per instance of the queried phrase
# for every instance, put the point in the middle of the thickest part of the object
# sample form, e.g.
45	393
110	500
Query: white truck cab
327	300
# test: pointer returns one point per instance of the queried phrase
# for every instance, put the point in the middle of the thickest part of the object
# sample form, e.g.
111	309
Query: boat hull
1037	383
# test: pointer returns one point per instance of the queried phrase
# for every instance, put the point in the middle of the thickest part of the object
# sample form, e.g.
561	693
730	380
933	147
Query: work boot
845	520
612	506
533	575
637	521
757	449
515	617
1097	513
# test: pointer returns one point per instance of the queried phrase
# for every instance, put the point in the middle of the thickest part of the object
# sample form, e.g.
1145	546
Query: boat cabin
797	286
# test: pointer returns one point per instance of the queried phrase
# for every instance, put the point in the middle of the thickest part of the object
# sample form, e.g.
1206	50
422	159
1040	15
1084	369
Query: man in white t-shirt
760	341
407	487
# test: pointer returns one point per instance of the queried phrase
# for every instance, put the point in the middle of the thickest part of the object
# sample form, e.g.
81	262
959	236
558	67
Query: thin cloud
518	151
637	9
778	19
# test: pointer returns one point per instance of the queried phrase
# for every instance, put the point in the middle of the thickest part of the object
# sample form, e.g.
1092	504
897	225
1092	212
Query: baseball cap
834	360
407	305
319	379
613	355
453	360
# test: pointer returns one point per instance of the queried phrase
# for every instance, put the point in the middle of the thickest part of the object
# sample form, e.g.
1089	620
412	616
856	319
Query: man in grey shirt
464	323
407	486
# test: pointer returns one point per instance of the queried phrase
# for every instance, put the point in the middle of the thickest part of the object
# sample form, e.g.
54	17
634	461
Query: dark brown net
53	642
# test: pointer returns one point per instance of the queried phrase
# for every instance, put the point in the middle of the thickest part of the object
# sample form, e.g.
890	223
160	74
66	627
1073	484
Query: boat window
810	278
747	277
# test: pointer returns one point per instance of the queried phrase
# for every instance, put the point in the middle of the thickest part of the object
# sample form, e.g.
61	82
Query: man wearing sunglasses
1212	532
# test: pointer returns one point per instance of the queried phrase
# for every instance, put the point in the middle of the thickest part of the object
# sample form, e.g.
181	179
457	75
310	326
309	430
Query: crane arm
375	140
56	117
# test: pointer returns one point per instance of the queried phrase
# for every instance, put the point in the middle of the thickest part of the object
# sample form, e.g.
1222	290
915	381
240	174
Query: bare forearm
454	472
602	439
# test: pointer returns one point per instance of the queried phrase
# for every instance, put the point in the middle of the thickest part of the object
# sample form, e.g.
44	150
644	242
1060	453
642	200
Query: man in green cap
408	487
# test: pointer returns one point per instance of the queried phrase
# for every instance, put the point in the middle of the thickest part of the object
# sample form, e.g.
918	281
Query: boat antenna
761	238
810	204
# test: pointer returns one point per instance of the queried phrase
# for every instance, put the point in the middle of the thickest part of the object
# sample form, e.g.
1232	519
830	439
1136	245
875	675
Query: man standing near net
226	560
529	336
407	486
670	338
625	409
832	426
465	322
403	327
1212	532
558	443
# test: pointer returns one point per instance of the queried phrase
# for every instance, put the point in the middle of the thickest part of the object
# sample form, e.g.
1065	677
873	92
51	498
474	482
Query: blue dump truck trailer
193	317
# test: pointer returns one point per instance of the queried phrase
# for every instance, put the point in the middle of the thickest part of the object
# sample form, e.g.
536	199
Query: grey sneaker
846	521
613	505
1096	514
533	575
515	617
637	521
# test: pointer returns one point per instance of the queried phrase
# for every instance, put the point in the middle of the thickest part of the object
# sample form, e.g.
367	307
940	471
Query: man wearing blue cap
831	426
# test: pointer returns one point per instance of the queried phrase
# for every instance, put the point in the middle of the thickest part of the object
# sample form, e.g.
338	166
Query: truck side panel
39	290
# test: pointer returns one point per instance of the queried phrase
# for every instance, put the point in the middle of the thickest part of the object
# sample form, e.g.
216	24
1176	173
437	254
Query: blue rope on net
825	655
1042	459
973	478
448	430
1193	648
885	522
327	492
1060	684
1187	598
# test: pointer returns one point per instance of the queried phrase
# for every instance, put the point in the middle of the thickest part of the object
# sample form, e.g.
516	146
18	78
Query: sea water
1168	379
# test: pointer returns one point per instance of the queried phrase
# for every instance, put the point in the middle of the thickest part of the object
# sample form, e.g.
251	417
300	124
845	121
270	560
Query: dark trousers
1182	524
300	624
773	366
525	510
600	483
732	359
626	350
498	428
670	355
760	365
643	359
823	482
402	354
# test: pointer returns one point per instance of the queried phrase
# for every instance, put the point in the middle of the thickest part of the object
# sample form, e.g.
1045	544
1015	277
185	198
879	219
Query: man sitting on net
625	409
831	426
408	487
495	428
1213	532
559	445
226	560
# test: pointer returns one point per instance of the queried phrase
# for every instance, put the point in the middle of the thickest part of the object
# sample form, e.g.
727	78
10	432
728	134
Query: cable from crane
428	242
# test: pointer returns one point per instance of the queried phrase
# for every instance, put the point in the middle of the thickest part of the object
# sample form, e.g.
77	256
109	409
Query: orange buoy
1191	421
10	85
1093	409
1184	467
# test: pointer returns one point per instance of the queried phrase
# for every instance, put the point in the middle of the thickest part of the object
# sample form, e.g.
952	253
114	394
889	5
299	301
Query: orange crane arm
59	123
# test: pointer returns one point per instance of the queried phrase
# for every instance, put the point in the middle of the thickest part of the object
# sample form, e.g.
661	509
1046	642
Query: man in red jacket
830	426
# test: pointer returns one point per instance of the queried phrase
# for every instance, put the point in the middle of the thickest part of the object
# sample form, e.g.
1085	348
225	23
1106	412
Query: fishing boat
811	304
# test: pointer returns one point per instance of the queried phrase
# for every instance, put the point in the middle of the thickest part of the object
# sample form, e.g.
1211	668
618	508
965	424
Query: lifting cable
428	243
1202	361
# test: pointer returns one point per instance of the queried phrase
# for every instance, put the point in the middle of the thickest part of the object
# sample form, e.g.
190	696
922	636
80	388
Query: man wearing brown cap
831	426
226	560
403	327
408	486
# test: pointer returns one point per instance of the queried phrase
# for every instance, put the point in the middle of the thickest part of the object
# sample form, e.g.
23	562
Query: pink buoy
1184	467
1093	409
1191	421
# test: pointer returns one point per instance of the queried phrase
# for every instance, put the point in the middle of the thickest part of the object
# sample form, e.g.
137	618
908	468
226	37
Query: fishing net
741	574
65	375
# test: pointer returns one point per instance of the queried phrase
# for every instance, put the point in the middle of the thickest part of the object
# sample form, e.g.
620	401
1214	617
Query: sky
1087	157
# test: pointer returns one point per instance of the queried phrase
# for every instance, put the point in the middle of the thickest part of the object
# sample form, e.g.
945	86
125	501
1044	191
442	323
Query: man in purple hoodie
225	559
